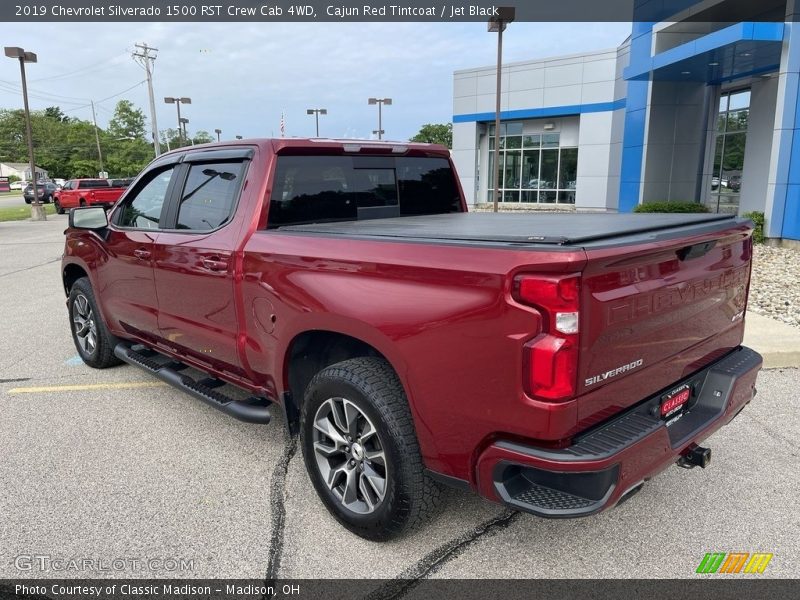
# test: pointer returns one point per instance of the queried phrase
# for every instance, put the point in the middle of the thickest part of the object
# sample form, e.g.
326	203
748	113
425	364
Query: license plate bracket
674	403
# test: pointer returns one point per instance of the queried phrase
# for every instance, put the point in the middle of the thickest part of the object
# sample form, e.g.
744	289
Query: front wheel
361	451
94	342
59	209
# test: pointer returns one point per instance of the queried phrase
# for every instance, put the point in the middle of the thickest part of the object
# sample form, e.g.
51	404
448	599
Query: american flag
283	125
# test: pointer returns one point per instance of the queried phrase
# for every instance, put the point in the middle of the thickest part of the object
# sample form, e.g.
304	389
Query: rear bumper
611	460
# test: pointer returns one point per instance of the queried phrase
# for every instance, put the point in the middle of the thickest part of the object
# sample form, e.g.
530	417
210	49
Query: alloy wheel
349	455
84	325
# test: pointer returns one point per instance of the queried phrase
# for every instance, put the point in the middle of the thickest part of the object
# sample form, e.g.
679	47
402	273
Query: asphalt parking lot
113	464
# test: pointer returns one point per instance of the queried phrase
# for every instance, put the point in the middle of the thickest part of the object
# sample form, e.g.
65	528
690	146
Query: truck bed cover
561	229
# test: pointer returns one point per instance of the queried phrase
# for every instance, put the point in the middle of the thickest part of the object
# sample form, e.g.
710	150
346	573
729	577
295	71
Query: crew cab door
127	288
195	260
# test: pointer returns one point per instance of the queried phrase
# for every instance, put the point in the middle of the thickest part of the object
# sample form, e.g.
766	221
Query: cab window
142	207
209	196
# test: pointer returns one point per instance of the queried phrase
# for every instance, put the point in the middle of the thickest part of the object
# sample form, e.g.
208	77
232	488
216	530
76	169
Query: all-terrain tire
94	342
370	387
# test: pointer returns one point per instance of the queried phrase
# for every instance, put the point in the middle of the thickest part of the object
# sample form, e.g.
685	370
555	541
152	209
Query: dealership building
691	107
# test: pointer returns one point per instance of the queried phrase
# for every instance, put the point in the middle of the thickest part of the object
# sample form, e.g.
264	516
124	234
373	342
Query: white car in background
17	185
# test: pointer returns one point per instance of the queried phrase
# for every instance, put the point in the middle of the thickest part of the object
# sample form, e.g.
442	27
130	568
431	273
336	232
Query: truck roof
298	145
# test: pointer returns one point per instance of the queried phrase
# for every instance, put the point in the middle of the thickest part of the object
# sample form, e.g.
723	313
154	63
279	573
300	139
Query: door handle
215	264
141	253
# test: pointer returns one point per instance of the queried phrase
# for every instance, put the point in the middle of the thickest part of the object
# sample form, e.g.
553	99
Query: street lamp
317	112
182	123
497	24
177	102
238	137
380	102
37	211
218	132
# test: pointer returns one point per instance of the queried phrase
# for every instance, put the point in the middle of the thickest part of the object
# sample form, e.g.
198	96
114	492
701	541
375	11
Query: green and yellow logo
734	562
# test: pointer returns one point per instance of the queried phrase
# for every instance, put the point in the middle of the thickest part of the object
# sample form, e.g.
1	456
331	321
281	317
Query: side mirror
90	217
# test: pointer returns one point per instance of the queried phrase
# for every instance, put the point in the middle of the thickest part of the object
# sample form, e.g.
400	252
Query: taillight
551	358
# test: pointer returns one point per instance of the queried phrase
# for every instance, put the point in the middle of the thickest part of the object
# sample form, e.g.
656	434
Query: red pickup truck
549	362
88	192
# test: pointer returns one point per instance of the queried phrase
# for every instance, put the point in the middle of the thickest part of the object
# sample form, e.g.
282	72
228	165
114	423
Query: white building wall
755	176
465	136
555	83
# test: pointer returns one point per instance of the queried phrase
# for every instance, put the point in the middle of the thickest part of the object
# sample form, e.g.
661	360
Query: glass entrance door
730	140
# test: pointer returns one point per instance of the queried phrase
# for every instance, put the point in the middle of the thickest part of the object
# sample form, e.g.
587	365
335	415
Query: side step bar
252	410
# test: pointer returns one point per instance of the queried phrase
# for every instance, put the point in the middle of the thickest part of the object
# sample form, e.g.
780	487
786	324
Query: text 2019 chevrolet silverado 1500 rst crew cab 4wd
549	362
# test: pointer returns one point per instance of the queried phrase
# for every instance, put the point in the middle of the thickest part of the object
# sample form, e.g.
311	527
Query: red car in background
89	192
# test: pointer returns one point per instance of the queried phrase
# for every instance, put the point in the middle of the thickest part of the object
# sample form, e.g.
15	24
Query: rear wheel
94	342
361	450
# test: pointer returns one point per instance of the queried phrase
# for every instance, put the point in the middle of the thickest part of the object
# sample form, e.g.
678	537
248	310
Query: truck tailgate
673	305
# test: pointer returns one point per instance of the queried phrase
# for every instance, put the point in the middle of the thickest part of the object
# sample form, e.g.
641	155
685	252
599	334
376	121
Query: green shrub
671	207
758	220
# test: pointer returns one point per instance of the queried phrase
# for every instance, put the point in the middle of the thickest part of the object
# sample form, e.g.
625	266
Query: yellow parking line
86	387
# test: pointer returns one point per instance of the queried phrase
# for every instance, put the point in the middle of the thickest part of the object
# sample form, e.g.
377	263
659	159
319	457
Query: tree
435	133
202	137
55	113
127	122
66	146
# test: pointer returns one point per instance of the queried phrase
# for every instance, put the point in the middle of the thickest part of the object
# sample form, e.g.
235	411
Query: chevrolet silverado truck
549	362
88	192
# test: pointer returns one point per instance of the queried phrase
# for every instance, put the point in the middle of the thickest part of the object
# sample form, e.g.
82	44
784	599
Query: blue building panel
791	213
538	113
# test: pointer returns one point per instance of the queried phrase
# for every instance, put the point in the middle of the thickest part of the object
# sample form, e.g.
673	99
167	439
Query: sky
242	76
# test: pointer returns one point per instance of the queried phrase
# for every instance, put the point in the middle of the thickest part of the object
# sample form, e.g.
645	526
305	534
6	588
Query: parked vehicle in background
735	183
550	362
44	190
123	183
59	182
88	192
18	185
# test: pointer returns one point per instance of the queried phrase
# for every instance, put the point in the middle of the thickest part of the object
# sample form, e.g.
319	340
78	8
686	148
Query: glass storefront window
550	140
533	168
729	146
549	174
568	171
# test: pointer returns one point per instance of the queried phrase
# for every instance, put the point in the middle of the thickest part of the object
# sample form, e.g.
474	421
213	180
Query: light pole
182	122
177	102
218	132
498	24
317	112
380	102
238	137
37	211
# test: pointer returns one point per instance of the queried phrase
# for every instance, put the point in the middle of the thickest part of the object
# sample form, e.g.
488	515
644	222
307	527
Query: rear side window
209	196
93	183
318	189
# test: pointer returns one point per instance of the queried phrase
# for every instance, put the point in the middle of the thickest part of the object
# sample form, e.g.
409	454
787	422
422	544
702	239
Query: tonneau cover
514	228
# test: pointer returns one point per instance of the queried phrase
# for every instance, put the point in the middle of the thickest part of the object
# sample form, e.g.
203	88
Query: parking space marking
87	387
